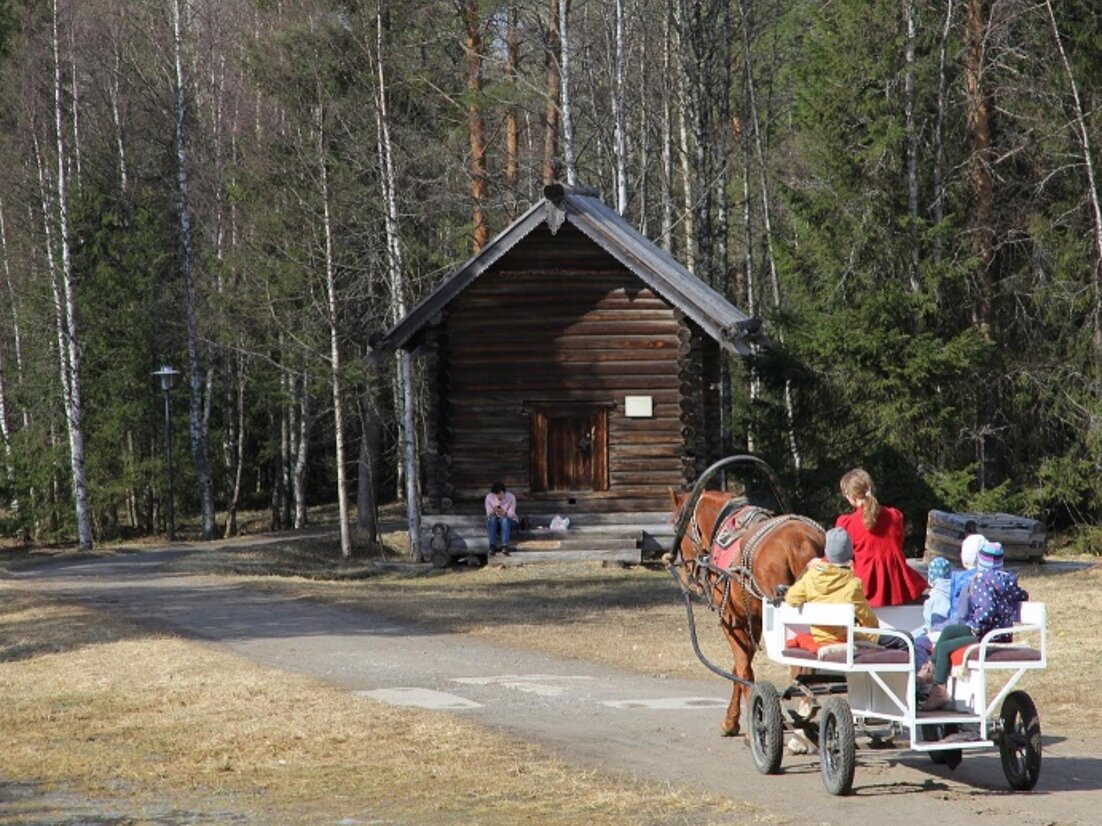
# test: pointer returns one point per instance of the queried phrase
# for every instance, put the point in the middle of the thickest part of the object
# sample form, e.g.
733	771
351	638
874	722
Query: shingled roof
716	316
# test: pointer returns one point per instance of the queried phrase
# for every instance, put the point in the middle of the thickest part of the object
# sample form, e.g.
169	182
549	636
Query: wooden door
569	448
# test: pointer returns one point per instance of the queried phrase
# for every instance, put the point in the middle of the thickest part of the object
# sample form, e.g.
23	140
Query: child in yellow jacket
832	580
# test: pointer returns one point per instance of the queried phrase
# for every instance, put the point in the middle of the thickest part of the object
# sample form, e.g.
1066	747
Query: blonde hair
857	484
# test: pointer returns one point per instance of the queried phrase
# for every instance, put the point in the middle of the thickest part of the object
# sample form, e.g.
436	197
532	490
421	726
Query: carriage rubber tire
766	728
837	746
440	558
943	757
1020	741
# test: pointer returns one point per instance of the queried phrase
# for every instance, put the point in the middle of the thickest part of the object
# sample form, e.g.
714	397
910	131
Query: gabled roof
728	325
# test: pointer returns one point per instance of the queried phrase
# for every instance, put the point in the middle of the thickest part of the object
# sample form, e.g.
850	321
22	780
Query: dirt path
619	722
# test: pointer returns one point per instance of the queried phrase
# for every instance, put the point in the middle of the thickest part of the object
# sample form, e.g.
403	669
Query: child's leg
952	638
924	648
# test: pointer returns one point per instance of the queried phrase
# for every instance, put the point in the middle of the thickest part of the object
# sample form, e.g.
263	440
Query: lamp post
166	378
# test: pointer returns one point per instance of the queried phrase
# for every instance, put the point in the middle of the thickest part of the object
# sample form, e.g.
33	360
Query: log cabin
574	360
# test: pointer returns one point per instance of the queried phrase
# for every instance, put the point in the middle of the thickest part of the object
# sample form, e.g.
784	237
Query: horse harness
740	529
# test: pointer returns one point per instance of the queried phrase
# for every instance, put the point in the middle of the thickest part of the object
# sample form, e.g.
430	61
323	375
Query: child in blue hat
935	610
995	601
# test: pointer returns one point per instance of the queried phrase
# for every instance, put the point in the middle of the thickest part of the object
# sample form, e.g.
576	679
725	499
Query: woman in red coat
877	534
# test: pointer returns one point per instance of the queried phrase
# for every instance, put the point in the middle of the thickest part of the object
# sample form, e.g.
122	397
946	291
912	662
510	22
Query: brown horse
775	558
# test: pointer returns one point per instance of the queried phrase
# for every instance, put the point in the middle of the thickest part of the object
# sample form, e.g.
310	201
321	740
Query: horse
773	551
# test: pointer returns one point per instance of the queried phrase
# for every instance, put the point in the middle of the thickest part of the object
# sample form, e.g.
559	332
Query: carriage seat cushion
804	646
863	654
995	654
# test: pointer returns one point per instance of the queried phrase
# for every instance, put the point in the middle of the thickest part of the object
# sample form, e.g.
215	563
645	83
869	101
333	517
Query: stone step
638	519
520	557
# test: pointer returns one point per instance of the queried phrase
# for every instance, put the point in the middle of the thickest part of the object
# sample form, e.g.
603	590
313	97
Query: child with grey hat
832	580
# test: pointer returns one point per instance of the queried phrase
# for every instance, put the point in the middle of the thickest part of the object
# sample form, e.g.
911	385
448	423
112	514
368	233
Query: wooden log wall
556	321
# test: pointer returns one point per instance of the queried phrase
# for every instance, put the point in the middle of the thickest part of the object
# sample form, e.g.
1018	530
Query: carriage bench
879	685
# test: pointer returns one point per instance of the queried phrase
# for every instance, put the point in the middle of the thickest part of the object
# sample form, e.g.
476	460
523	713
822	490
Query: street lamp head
166	376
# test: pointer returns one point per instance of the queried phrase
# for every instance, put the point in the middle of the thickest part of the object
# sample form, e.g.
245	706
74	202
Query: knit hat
839	548
969	548
937	569
990	556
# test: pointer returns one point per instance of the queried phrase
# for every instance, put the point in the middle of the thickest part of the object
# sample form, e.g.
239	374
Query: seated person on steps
501	515
994	601
832	580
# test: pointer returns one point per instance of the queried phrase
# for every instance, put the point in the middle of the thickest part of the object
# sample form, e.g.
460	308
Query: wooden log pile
1022	538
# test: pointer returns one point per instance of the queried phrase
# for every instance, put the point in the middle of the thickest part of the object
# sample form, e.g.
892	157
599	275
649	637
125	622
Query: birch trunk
939	132
114	94
643	130
567	104
198	430
912	141
666	235
334	334
618	114
71	349
16	326
551	170
74	88
5	432
748	277
396	278
371	446
512	62
684	150
1083	136
301	442
722	241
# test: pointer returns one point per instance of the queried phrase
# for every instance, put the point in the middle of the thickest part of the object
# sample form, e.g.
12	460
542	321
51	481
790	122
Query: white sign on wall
639	407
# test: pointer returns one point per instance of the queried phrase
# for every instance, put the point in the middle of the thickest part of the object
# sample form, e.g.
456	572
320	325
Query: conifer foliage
905	190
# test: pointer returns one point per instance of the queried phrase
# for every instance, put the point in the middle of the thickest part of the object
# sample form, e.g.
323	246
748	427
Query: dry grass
102	709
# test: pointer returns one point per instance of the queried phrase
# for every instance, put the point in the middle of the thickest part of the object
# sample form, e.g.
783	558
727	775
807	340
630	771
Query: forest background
904	190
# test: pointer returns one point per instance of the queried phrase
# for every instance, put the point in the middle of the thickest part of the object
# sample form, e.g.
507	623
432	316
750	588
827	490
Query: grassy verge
98	709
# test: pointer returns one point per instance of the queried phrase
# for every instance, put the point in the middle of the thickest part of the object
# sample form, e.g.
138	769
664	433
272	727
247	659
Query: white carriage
856	686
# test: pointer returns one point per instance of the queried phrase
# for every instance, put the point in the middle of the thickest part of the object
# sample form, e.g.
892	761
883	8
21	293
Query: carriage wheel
766	728
837	746
1020	742
942	757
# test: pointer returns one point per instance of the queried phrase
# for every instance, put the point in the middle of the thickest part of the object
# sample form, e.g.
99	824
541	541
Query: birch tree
568	156
198	430
552	61
69	341
334	323
396	279
911	138
5	290
618	114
